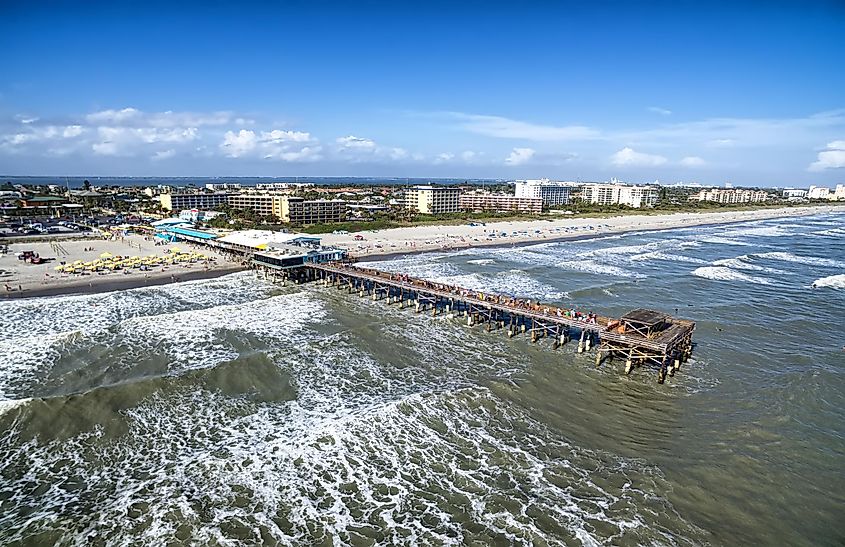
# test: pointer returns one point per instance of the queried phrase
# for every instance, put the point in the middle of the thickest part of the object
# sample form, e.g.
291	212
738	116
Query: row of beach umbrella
109	262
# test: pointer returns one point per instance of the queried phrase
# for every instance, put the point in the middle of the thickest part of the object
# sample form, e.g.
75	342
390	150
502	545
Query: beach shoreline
105	284
658	223
401	242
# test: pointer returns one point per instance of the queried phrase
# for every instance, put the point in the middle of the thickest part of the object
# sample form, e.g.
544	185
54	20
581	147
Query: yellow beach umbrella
59	268
106	255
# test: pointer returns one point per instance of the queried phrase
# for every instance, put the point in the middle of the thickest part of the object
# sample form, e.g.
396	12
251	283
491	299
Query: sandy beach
19	279
380	243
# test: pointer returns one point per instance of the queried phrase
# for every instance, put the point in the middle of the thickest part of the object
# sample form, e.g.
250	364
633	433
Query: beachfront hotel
485	201
177	202
295	210
620	194
730	195
822	192
550	192
433	200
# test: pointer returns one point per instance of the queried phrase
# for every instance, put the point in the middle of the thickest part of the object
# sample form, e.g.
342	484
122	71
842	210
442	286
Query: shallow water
232	411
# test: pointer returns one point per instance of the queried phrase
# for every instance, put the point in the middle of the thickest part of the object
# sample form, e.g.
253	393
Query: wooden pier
642	337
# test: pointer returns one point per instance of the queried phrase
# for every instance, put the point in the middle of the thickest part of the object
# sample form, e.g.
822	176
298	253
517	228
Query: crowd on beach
511	302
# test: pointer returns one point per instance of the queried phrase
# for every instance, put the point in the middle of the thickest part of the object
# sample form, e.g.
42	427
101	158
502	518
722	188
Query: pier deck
643	337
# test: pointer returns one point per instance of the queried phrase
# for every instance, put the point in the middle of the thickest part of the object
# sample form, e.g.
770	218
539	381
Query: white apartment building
551	192
822	192
620	194
790	193
818	192
276	186
732	195
486	201
433	200
220	187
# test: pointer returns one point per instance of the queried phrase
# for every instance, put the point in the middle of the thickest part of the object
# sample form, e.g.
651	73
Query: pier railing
666	343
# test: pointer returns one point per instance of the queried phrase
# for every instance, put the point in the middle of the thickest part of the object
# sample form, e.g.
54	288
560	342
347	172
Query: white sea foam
96	312
482	261
7	405
831	281
188	338
758	231
669	257
830	233
589	266
721	273
717	240
297	475
509	283
807	260
741	262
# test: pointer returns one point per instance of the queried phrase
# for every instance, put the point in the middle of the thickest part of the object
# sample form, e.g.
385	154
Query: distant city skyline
749	94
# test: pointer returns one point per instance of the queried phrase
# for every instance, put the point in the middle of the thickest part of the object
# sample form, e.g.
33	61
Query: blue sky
752	93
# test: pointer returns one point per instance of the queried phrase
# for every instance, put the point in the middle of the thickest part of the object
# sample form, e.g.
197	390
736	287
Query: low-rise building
433	200
791	193
486	201
195	215
730	195
620	194
550	192
277	186
222	186
303	211
822	192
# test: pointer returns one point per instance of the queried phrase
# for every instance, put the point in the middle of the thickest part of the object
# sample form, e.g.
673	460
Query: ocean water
232	411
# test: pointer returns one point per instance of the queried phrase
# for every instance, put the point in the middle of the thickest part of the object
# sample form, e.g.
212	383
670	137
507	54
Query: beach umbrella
106	255
59	268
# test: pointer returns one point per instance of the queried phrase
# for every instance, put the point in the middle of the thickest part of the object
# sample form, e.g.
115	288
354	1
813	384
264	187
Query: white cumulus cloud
163	154
132	117
631	158
693	161
126	141
506	128
352	142
832	158
520	156
292	146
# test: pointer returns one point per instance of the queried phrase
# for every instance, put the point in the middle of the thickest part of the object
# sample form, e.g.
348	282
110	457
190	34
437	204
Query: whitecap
808	260
721	273
589	266
831	281
741	262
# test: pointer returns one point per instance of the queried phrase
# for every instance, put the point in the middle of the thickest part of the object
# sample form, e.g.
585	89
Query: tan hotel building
483	201
433	200
295	210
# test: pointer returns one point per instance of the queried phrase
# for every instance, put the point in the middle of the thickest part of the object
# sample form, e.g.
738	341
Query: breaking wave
721	273
832	281
808	260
